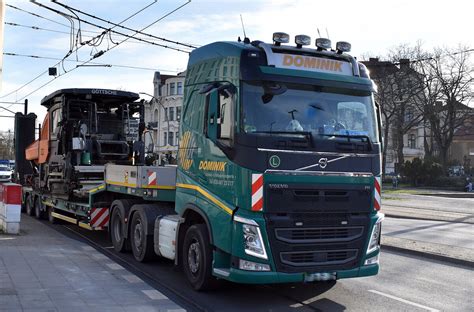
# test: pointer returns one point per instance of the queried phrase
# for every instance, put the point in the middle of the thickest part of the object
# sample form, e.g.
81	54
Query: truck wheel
197	258
38	212
29	207
141	243
117	232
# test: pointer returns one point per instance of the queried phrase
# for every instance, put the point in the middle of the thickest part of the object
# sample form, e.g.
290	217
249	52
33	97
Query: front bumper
248	277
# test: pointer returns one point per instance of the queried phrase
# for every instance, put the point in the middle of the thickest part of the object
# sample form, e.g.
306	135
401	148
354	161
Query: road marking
132	279
154	294
114	266
403	300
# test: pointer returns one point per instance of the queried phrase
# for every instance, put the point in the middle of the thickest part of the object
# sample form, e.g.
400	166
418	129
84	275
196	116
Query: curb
397	216
429	255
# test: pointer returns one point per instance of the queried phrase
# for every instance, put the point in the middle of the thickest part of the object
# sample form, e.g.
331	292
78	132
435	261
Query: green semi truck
278	175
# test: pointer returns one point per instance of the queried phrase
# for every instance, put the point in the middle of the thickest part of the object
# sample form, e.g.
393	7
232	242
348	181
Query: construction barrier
10	208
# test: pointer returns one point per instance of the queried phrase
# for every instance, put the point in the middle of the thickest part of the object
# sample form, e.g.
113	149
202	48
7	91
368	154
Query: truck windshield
326	113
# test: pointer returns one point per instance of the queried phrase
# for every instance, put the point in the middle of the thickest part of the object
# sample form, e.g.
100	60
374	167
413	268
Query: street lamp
166	117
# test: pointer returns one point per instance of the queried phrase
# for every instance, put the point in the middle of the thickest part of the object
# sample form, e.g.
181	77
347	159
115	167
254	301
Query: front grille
4	177
319	234
317	227
312	258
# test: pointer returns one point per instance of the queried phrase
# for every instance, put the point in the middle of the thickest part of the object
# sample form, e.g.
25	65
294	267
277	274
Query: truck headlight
374	242
253	241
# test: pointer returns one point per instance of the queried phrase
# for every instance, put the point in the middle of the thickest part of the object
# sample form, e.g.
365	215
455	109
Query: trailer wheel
29	207
51	219
197	258
38	212
142	244
117	232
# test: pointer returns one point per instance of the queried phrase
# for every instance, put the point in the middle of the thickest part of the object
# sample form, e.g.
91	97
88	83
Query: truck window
225	109
56	118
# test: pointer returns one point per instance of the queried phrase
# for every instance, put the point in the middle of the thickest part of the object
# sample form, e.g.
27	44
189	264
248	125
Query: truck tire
141	243
117	229
197	258
38	212
29	209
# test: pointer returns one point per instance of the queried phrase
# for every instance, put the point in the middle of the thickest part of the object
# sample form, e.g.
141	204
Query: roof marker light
280	37
302	40
343	46
323	43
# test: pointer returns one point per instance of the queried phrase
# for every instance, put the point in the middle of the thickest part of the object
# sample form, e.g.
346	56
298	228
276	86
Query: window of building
165	116
409	115
171	113
155	115
165	137
178	113
172	88
412	141
170	138
180	88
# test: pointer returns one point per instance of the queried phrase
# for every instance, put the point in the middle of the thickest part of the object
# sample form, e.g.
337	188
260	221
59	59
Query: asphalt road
405	283
438	232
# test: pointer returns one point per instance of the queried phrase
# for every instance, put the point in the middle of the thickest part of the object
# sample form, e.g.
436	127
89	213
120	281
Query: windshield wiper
349	137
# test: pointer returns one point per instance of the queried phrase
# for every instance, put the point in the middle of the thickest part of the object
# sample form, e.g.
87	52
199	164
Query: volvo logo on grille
323	162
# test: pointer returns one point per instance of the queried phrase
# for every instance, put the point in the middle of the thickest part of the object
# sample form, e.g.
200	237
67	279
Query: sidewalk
435	224
448	241
43	270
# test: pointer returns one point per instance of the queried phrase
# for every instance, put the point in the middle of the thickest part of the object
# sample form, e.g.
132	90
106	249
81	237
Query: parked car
5	173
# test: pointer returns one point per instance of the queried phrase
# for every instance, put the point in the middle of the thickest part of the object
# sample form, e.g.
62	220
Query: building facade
163	114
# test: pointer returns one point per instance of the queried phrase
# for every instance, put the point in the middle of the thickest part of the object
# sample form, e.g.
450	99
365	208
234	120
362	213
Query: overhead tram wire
98	54
95	63
123	27
46	71
38	28
121	33
36	15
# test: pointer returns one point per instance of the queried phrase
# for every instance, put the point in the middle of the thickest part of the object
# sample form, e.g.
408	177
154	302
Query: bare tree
448	79
398	85
6	145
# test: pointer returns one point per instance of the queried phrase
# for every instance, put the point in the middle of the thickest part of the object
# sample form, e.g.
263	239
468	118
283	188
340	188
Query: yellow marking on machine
121	183
207	195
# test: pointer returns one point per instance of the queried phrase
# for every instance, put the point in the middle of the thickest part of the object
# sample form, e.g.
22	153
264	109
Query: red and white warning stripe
257	192
152	178
99	217
377	193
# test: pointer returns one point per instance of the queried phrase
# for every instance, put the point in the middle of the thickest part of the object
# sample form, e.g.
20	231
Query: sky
372	27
